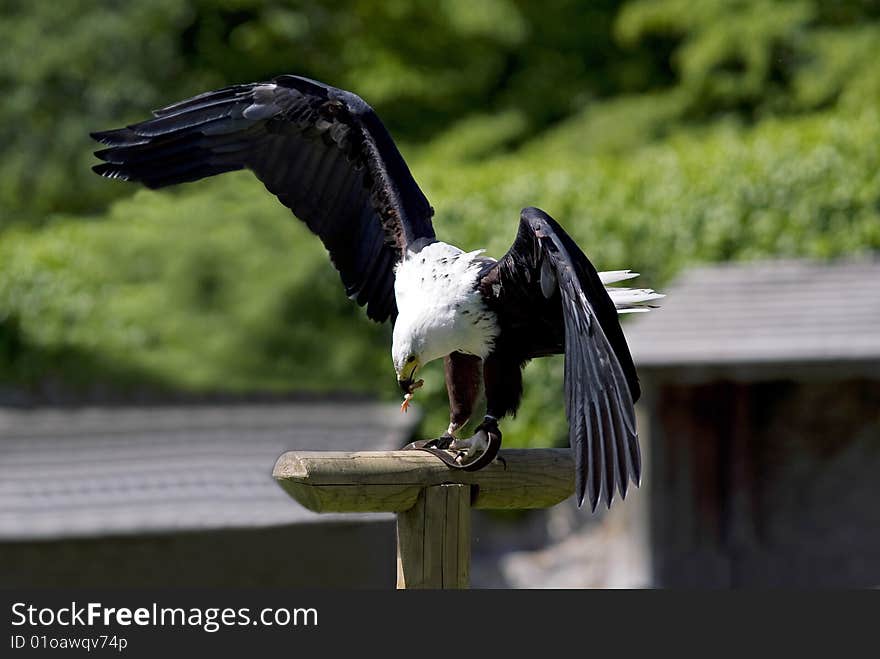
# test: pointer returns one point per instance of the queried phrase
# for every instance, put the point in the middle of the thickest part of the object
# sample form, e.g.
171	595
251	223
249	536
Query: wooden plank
390	481
433	539
461	545
411	533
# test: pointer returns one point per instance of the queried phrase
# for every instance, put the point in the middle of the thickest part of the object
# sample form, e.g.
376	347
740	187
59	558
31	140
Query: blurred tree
67	68
82	65
755	56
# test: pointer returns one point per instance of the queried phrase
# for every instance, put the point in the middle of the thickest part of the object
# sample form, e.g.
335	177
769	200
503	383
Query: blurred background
146	336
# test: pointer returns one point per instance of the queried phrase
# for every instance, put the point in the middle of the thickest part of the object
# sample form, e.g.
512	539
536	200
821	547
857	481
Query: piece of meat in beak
408	388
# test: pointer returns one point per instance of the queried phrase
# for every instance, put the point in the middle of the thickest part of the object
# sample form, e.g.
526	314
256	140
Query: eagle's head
408	355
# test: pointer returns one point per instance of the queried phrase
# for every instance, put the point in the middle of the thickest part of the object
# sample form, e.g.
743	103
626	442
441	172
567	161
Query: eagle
325	154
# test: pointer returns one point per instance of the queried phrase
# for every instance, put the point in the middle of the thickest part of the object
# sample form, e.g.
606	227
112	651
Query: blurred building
182	495
762	392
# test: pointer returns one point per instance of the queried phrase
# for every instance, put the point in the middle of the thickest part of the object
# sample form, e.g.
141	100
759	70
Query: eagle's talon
472	446
445	441
442	443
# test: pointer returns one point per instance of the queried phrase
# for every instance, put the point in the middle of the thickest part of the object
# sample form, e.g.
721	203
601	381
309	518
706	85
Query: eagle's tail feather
628	300
613	276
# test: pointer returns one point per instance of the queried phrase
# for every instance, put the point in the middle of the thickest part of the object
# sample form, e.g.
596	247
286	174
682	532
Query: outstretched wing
556	302
322	151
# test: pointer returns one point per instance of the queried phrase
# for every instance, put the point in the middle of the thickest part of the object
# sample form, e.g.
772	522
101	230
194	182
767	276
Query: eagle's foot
468	448
481	448
469	454
443	442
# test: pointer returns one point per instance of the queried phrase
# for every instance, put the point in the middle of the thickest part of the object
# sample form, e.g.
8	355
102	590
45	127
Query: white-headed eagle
326	155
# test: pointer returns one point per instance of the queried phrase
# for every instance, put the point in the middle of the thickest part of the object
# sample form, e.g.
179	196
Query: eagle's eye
410	359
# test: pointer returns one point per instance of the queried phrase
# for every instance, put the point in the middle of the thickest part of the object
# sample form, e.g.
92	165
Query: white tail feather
613	276
628	300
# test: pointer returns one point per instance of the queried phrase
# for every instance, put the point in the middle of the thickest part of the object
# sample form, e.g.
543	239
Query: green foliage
83	65
661	134
760	55
68	68
216	289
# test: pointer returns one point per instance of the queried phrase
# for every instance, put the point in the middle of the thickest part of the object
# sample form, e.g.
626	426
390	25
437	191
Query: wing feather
322	151
554	301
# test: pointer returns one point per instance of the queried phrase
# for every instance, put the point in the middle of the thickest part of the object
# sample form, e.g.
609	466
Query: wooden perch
390	481
432	501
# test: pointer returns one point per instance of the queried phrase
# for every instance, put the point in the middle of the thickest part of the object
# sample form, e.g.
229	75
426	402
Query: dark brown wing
550	299
322	151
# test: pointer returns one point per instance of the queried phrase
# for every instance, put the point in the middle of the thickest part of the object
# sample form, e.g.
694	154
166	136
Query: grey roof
786	311
97	471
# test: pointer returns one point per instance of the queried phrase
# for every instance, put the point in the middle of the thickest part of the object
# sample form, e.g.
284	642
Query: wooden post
434	539
431	500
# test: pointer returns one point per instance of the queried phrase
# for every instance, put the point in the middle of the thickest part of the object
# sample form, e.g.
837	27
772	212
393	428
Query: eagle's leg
463	379
502	377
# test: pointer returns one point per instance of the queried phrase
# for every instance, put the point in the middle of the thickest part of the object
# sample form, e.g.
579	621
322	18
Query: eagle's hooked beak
406	377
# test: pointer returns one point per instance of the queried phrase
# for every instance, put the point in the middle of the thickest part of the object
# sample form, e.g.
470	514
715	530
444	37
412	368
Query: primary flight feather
326	155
